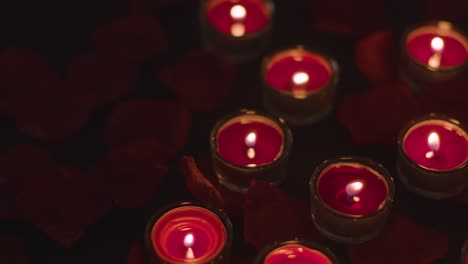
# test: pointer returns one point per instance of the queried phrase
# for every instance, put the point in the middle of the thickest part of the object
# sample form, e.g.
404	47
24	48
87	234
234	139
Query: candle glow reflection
353	189
188	243
437	45
433	141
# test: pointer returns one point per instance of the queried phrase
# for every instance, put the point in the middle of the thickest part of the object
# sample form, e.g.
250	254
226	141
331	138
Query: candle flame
300	78
437	44
251	139
238	29
188	240
354	188
433	141
238	12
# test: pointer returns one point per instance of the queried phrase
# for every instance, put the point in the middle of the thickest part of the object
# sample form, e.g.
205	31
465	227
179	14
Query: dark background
60	30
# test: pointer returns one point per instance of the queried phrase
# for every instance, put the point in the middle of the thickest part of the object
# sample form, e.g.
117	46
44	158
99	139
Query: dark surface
60	30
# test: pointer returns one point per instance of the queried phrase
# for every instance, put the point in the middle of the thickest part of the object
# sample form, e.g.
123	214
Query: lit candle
351	198
189	233
237	28
299	85
433	156
434	52
295	252
248	144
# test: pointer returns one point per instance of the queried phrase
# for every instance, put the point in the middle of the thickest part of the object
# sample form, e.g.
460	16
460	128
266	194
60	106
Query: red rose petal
376	57
20	71
348	17
452	10
62	204
271	216
376	116
137	254
54	113
448	98
165	121
131	38
133	172
201	188
204	186
404	242
21	163
201	80
106	80
12	250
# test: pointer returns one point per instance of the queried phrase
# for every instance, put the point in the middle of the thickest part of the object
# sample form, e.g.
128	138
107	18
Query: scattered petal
62	204
131	38
54	113
271	216
106	80
20	164
168	122
133	172
403	241
200	187
137	254
200	79
452	10
376	57
348	17
12	250
21	71
376	116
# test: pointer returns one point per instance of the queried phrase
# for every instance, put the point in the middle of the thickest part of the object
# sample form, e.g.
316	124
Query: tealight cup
351	198
189	232
299	85
433	52
239	29
248	145
433	156
296	252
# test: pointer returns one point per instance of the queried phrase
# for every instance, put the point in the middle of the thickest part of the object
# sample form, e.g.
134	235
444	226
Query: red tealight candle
352	189
239	17
299	85
238	28
189	234
295	252
247	145
434	52
431	147
351	198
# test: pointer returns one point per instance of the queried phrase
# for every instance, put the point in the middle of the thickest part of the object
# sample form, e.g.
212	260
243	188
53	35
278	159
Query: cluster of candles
350	196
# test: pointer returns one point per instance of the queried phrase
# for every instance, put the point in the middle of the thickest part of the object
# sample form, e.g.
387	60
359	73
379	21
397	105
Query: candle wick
189	254
431	154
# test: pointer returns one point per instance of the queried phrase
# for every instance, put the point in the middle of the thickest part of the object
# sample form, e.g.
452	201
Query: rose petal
137	255
204	186
146	7
452	10
20	164
200	79
271	216
348	17
376	57
201	188
54	113
403	241
165	121
133	172
12	250
376	116
62	204
106	80
131	38
21	71
448	98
